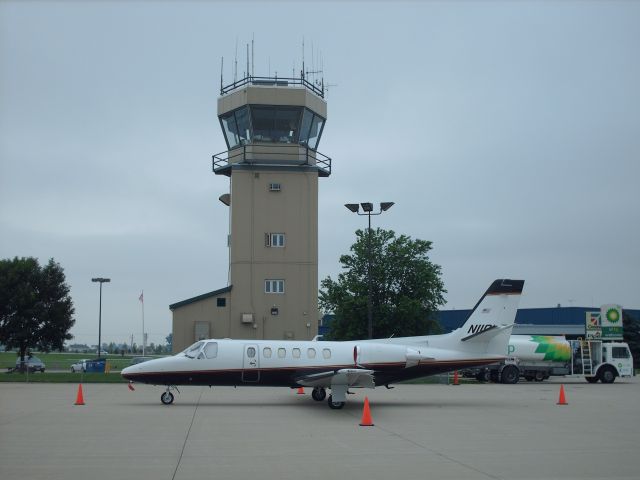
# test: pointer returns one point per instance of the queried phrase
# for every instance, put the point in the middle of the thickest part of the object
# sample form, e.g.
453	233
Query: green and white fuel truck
537	357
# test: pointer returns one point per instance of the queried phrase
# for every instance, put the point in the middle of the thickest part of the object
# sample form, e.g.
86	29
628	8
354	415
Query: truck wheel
539	376
509	374
482	376
607	374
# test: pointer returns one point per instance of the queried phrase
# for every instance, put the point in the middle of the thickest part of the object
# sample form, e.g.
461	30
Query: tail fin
492	319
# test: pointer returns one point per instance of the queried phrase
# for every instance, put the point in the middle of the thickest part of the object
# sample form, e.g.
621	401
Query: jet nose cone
126	372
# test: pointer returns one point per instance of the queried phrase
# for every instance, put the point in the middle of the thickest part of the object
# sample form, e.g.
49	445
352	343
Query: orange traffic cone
300	390
455	378
366	414
79	397
562	400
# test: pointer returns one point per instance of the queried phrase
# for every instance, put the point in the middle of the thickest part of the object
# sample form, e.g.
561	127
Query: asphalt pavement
421	431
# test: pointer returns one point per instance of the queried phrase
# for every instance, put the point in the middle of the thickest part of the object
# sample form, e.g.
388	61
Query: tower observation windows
275	124
272	124
236	127
311	130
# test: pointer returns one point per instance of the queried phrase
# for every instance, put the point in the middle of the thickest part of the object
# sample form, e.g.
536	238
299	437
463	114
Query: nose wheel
167	397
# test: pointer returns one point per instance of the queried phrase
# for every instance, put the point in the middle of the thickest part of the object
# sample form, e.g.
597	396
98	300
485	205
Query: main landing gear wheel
334	405
318	394
166	398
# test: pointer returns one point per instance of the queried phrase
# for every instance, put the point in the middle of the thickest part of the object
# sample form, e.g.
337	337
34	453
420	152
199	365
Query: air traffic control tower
272	127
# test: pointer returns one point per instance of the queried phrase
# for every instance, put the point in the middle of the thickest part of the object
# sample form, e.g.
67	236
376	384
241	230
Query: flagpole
144	340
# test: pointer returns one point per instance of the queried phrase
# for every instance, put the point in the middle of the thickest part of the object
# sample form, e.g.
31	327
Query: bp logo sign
611	322
613	315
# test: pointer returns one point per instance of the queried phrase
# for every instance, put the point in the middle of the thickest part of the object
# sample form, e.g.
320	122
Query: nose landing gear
167	397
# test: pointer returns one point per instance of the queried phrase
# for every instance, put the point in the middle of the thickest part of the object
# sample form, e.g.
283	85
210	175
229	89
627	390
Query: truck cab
598	360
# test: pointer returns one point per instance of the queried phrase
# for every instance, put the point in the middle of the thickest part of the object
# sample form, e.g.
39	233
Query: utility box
96	366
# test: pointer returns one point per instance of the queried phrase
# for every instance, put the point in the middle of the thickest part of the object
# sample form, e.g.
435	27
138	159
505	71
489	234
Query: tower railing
271	155
273	82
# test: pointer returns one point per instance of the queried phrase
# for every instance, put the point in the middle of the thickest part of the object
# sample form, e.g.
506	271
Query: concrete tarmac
421	431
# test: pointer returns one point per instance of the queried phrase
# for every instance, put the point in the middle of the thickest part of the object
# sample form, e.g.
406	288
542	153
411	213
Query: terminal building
567	321
272	127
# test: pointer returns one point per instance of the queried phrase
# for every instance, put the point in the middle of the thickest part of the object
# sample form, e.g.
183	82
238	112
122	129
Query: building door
251	364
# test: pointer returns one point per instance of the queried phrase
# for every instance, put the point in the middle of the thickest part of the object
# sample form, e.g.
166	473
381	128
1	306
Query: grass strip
62	377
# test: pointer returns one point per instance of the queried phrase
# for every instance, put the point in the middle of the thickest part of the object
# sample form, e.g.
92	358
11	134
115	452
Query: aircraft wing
350	377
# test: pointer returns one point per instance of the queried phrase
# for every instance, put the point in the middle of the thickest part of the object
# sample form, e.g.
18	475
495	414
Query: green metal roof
204	296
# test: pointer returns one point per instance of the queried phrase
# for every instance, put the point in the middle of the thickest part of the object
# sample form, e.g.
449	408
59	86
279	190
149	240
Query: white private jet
339	366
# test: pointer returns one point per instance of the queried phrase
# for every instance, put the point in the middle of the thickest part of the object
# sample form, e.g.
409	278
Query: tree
406	288
35	306
631	335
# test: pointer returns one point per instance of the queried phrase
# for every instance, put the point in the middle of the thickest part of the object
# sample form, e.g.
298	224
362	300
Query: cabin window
266	352
211	350
296	353
311	353
251	352
619	352
282	353
326	353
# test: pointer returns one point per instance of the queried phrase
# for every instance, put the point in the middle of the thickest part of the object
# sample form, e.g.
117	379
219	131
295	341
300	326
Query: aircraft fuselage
287	363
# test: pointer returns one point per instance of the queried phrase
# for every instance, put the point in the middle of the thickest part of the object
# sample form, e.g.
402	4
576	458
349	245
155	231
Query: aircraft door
251	363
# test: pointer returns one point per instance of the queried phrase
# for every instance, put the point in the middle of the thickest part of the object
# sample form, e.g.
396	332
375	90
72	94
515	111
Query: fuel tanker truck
537	357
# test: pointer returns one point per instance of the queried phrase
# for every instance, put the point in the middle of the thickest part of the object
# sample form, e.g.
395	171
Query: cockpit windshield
193	350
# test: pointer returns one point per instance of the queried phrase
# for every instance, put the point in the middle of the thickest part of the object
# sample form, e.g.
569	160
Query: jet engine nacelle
366	353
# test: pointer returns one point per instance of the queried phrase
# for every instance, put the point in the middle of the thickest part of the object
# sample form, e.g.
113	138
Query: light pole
367	209
101	281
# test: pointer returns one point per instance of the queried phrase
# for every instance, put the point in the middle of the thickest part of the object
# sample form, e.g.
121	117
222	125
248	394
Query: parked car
136	360
80	366
34	364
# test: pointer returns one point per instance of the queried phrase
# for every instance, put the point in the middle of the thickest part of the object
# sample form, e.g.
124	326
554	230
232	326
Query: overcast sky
508	133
